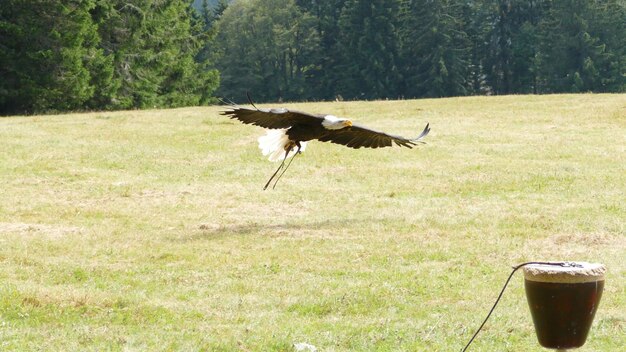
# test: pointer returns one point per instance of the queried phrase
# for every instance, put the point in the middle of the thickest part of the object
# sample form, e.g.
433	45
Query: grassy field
149	230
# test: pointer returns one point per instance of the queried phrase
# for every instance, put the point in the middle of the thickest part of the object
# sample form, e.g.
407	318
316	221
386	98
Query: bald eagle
289	131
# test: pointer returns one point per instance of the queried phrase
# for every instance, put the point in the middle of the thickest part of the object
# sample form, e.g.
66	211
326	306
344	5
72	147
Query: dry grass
148	230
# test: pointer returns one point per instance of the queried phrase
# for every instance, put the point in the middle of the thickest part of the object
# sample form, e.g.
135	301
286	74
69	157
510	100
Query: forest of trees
72	55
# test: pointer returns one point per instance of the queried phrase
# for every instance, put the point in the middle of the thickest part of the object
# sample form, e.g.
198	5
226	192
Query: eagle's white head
335	123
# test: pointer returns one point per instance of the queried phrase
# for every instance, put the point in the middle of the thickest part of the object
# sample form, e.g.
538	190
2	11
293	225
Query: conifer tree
610	27
266	48
512	45
154	46
325	72
49	56
367	49
435	49
573	56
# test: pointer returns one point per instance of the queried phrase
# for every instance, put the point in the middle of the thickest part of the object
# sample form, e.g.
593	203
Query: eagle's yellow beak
347	123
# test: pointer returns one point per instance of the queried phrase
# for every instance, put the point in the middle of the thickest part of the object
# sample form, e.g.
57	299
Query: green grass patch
149	230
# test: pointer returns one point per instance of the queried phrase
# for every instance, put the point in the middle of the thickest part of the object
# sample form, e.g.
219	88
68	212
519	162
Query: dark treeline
376	49
63	55
119	54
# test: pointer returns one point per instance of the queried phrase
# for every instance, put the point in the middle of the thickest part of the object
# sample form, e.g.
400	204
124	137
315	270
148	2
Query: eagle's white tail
274	143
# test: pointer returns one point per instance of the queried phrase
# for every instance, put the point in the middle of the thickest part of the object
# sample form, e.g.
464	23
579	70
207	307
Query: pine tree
572	55
474	16
512	45
189	78
610	28
368	50
435	49
324	74
155	47
267	49
219	9
49	56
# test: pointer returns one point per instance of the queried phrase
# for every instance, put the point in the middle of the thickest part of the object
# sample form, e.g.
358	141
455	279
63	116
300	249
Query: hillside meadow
150	231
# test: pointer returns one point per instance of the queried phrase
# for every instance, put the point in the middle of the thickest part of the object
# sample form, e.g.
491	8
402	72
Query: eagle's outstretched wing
271	118
358	136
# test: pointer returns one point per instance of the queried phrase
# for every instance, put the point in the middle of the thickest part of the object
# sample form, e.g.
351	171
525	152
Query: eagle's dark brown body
304	132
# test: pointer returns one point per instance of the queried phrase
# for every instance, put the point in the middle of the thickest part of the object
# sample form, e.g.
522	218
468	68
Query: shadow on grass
322	228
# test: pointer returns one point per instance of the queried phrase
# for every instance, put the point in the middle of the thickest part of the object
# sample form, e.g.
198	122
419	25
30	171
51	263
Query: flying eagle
289	131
